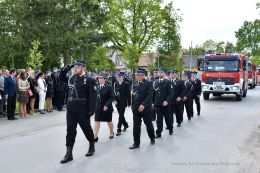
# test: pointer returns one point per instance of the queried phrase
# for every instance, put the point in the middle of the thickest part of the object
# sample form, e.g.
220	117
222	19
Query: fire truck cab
224	74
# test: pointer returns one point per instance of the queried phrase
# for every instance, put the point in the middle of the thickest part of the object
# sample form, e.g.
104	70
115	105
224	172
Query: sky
213	19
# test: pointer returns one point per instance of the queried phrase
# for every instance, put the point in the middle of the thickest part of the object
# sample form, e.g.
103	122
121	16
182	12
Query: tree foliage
65	29
248	38
170	39
100	60
131	57
134	22
35	59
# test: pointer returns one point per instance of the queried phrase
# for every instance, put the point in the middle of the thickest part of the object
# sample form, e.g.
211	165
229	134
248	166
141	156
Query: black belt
77	99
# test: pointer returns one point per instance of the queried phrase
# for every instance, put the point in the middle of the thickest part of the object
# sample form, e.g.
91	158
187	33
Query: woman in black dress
50	91
104	108
34	88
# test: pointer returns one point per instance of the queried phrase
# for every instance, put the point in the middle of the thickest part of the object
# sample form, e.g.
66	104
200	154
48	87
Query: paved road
226	138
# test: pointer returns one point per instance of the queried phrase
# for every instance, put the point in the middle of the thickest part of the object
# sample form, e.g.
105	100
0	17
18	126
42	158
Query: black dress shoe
42	112
189	118
10	119
15	118
96	139
68	157
111	137
171	132
166	128
118	133
125	128
158	136
198	114
134	146
91	149
152	141
179	125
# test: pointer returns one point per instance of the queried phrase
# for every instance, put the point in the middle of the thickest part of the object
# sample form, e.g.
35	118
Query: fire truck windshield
221	65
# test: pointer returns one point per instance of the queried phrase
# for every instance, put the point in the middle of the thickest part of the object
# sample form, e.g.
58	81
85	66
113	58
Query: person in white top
42	91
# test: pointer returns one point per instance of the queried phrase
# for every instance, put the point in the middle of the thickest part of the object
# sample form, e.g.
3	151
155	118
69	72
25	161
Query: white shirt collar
83	74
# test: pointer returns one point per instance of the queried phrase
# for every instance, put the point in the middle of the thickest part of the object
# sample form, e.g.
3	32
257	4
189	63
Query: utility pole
158	59
190	54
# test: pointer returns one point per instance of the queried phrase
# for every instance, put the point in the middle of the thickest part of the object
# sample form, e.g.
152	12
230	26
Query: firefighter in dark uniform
177	93
162	90
142	107
80	107
152	79
122	100
187	97
196	92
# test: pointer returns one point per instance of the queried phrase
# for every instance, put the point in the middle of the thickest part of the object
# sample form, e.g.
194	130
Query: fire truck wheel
239	97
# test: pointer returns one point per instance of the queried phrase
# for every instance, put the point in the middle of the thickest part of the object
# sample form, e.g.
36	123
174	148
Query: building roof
147	59
193	61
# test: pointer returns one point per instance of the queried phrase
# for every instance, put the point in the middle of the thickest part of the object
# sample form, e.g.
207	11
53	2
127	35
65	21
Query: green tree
131	57
229	47
170	39
64	28
248	38
134	25
255	59
100	60
35	59
210	46
197	50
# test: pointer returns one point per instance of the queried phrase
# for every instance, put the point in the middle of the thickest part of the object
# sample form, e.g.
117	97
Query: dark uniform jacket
49	83
196	85
142	94
82	94
188	89
162	91
105	97
152	80
177	90
122	94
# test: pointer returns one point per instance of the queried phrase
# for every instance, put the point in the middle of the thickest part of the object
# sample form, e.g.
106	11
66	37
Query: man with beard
80	107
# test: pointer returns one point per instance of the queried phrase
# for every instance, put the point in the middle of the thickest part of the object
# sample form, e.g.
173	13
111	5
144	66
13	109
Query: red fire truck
258	75
251	75
224	74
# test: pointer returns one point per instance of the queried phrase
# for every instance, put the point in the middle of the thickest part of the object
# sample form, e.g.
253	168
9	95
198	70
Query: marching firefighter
122	100
177	93
196	91
142	107
104	107
187	97
80	107
161	102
